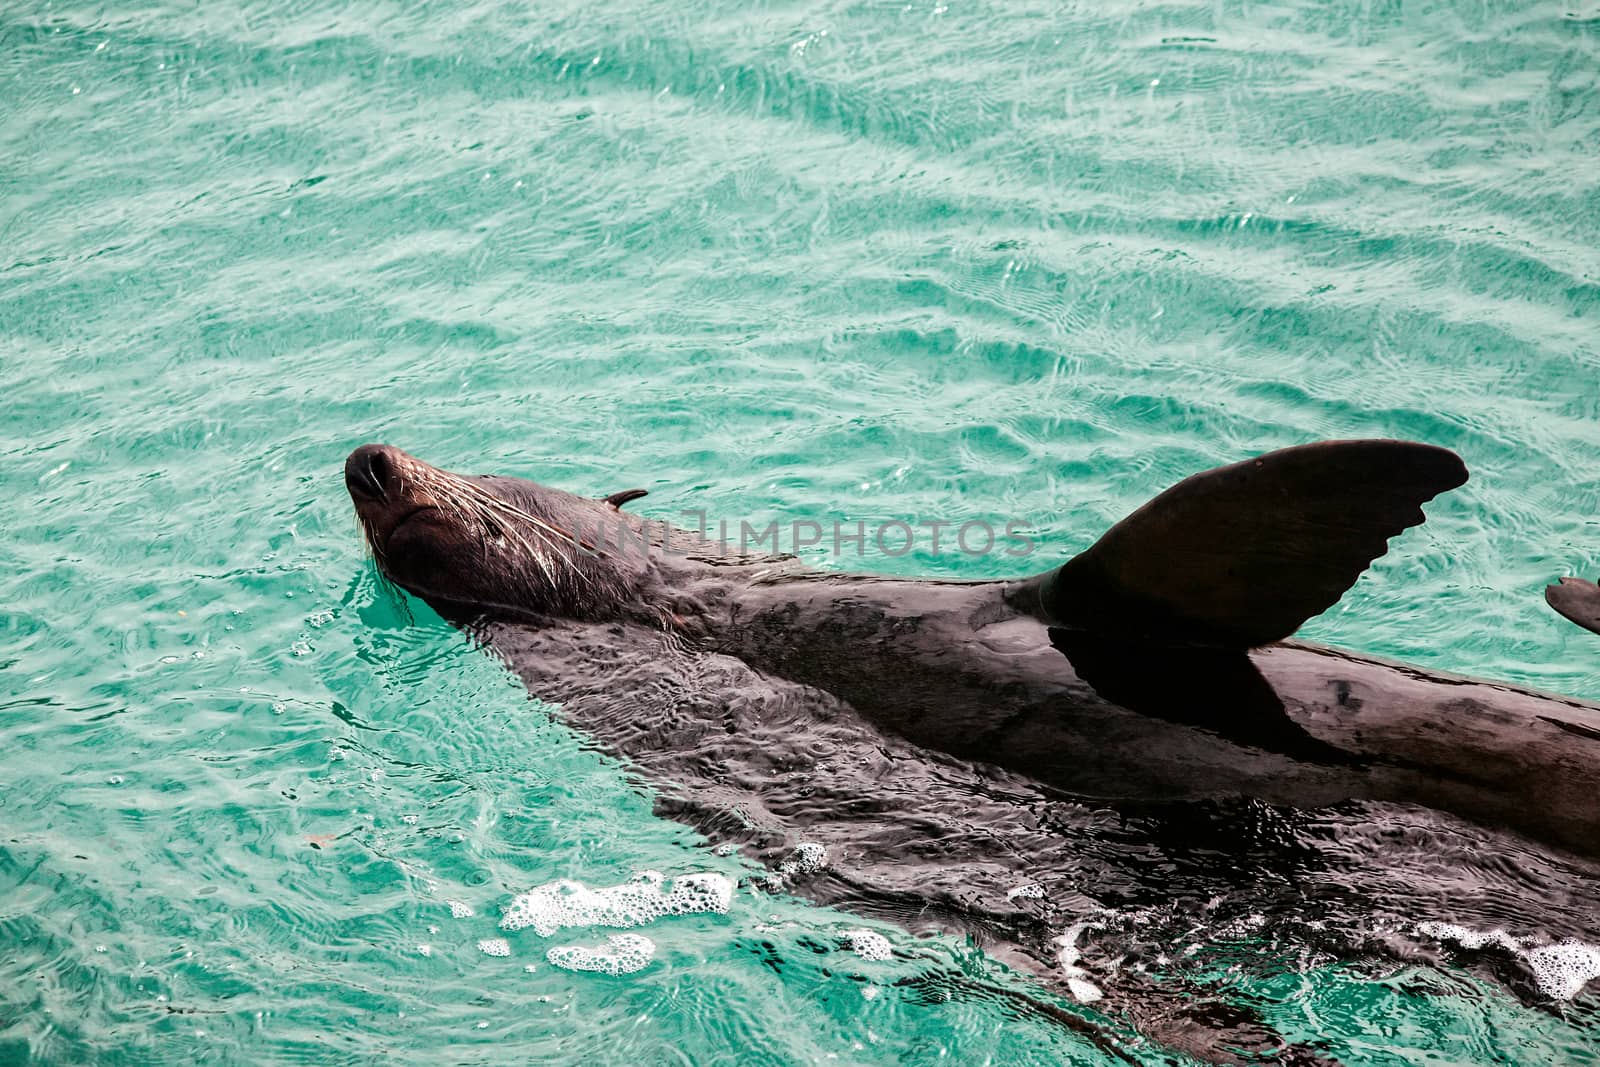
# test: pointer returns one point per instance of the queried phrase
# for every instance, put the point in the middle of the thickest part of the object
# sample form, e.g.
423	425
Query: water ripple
829	259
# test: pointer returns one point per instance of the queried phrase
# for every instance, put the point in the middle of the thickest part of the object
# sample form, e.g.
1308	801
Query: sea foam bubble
1067	955
569	904
869	945
622	954
808	857
1560	970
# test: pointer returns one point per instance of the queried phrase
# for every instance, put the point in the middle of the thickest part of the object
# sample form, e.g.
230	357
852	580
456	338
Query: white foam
1473	939
1067	955
458	910
1083	990
494	946
1563	969
808	858
560	905
1560	970
869	945
1027	891
623	954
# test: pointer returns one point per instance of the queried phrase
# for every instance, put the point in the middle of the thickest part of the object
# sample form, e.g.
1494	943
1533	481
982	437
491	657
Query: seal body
952	743
992	671
949	667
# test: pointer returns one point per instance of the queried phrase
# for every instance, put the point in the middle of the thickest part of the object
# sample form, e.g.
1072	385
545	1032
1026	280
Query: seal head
491	545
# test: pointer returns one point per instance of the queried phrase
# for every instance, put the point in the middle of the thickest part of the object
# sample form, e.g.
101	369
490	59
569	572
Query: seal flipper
1216	689
1242	555
616	500
1577	600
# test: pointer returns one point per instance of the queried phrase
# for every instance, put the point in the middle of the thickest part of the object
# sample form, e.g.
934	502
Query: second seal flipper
1576	599
1242	555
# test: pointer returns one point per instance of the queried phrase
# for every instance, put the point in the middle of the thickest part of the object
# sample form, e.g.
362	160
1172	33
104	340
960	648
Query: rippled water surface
936	259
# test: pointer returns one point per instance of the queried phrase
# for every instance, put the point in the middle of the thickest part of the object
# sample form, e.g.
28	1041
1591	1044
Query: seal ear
616	500
1577	600
1240	556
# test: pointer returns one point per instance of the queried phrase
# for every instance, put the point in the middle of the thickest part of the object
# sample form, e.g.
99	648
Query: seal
947	742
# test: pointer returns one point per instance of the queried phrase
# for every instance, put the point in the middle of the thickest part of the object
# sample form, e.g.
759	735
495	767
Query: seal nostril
377	472
369	470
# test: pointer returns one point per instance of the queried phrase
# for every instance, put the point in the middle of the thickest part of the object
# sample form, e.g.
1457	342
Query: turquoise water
831	260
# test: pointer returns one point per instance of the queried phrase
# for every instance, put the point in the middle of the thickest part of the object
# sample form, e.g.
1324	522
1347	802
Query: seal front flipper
616	500
1242	555
1577	600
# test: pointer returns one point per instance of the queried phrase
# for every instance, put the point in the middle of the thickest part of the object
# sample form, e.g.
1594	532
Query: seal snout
369	472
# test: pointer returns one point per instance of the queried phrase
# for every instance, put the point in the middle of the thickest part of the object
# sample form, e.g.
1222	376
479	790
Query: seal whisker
476	508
